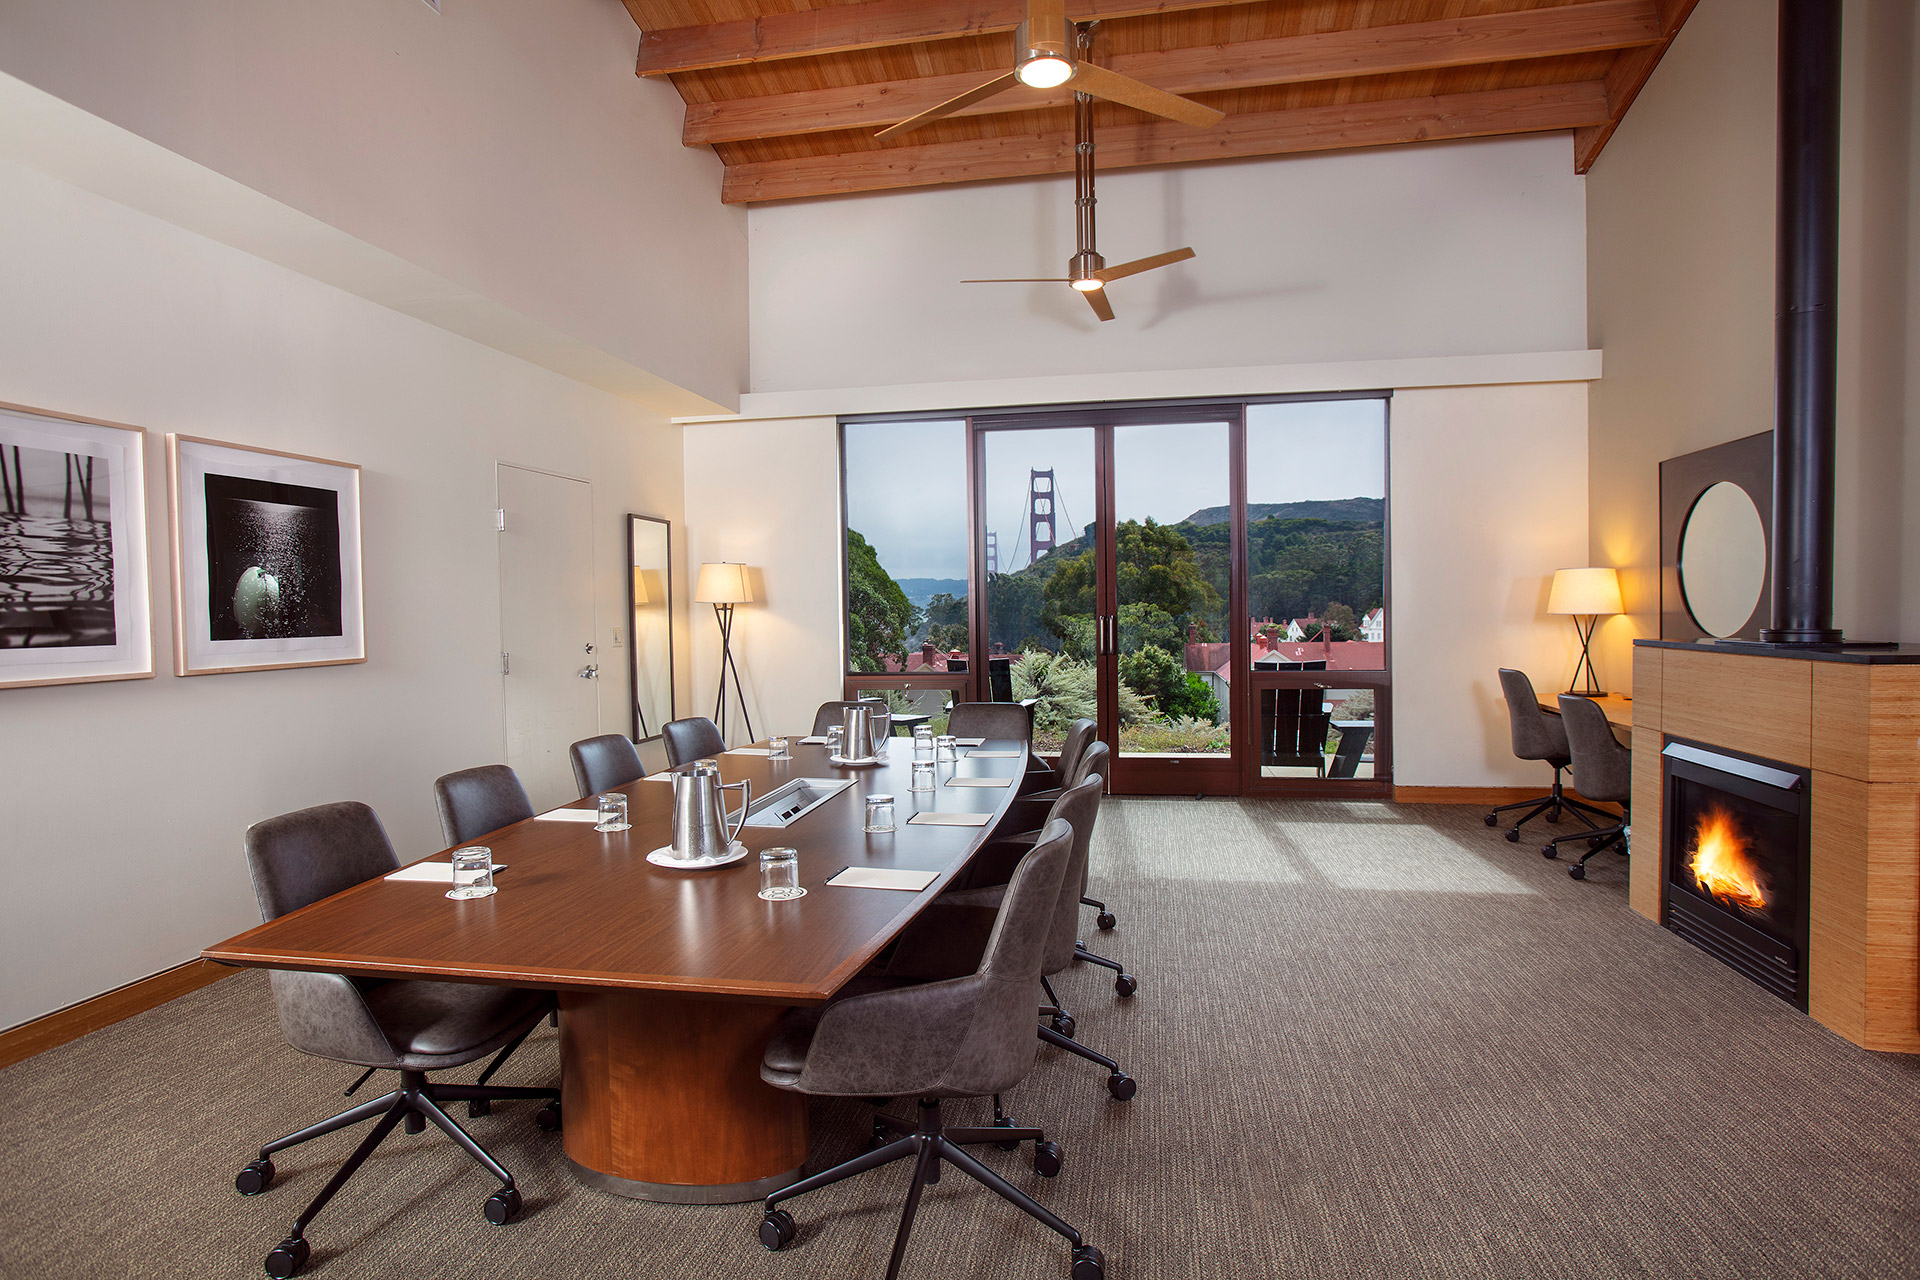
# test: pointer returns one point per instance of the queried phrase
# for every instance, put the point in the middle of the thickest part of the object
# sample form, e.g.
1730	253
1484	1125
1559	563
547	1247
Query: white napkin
433	872
970	742
979	782
568	815
993	755
950	819
820	741
883	878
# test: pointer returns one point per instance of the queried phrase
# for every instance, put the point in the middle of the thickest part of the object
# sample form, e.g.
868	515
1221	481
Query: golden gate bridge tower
1040	512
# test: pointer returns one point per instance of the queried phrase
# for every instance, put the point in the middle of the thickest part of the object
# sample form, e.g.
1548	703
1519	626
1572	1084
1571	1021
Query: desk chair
963	1037
1538	736
474	802
603	763
694	738
409	1027
991	720
1047	784
831	715
1604	770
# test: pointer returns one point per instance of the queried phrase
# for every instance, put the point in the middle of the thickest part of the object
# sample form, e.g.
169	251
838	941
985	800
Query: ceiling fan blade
998	84
1114	87
1120	271
1097	299
1021	280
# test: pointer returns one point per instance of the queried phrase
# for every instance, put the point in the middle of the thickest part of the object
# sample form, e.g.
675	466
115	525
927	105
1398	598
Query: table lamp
1585	593
723	585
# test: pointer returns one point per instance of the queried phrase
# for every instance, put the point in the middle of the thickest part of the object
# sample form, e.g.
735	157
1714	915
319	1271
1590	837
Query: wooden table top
1618	708
582	908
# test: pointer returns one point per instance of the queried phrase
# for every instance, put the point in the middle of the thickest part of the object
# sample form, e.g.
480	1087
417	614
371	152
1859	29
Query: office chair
1538	736
474	802
603	763
962	1037
1043	783
694	738
1604	770
991	720
405	1026
830	714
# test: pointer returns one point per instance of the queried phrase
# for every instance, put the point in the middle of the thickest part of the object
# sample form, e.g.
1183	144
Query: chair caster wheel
880	1137
1513	835
1089	1264
1492	819
1046	1159
255	1178
1549	851
1105	920
503	1206
287	1258
414	1123
548	1117
776	1229
1121	1085
1064	1024
1577	871
1126	984
479	1107
1005	1122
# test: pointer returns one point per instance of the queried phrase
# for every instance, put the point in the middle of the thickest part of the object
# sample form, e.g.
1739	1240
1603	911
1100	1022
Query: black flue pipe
1806	343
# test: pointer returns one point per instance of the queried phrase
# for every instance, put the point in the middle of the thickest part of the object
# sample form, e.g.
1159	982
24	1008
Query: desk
1618	709
669	981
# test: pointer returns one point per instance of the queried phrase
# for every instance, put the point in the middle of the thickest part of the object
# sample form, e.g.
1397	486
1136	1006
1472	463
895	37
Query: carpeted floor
1371	1041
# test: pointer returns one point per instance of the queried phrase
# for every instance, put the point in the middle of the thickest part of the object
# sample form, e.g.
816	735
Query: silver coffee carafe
700	832
864	729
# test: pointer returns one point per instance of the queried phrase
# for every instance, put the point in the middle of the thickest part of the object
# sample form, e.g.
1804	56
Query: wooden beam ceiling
790	96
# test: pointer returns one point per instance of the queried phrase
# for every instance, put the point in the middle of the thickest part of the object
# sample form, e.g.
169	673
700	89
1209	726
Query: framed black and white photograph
74	603
266	559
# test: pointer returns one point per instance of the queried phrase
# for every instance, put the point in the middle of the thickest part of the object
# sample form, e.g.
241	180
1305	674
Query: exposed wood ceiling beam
667	50
1361	124
1418	46
1628	76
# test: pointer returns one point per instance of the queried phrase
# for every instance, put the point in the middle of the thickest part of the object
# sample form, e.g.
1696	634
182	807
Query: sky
906	481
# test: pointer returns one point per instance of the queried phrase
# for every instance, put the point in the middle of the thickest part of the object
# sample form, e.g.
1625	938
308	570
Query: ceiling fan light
1086	286
1044	71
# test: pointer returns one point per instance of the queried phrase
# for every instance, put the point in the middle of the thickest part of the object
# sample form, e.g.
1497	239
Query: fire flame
1719	860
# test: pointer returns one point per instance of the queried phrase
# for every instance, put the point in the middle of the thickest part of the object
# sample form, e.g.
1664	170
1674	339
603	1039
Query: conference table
670	981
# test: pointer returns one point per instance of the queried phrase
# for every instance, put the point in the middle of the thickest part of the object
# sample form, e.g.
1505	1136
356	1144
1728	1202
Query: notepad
568	815
971	742
748	751
979	782
993	755
433	872
883	878
820	741
950	819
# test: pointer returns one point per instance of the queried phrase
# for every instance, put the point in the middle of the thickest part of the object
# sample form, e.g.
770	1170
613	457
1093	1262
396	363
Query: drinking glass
472	872
946	749
923	775
780	875
613	813
835	734
778	747
879	813
922	742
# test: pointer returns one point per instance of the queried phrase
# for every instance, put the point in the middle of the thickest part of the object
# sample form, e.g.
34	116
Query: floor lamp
723	586
1585	593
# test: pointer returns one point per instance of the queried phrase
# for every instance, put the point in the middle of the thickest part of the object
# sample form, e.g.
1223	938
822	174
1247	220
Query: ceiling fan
1046	57
1087	271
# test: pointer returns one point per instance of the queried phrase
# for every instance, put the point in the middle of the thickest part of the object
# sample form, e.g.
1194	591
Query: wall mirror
1723	559
650	623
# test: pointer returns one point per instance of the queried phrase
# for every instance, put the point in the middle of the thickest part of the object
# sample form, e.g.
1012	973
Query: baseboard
1488	796
17	1044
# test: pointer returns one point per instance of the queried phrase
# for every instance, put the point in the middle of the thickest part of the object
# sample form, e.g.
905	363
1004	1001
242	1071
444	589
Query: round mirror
1723	559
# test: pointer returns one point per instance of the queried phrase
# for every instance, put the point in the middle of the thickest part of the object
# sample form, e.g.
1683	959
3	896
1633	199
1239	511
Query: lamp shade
1588	591
723	583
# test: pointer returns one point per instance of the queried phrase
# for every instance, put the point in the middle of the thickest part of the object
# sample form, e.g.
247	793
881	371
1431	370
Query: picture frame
75	587
267	569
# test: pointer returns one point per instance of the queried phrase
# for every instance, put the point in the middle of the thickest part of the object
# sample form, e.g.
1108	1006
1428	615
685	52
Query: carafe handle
746	798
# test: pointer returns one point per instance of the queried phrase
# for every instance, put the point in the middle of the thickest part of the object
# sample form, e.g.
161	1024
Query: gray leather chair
694	738
1604	771
603	763
473	802
410	1027
1045	783
830	713
961	1037
1538	736
991	720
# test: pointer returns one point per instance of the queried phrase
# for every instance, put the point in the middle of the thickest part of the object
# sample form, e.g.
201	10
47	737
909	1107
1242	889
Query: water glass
472	873
779	748
922	743
613	812
923	775
879	813
835	734
946	749
780	875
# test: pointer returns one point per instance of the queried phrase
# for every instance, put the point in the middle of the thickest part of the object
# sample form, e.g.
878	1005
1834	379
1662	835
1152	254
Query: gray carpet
1371	1041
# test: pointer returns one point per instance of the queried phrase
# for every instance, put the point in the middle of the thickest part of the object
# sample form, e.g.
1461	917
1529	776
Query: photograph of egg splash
273	559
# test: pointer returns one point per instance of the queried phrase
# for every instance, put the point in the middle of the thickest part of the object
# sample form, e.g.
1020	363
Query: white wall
125	802
1462	248
506	146
1489	498
767	494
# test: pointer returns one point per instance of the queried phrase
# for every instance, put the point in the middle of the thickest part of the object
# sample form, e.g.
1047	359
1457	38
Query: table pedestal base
663	1099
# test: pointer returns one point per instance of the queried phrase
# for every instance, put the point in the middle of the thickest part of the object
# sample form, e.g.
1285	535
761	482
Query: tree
880	618
1154	673
1341	624
1156	566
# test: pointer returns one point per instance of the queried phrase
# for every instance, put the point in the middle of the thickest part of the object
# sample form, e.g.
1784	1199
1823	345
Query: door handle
590	672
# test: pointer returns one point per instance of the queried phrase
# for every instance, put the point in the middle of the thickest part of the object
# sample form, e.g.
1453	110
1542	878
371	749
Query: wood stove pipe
1805	334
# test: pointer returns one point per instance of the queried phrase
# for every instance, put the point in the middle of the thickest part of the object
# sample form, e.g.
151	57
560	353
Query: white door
547	661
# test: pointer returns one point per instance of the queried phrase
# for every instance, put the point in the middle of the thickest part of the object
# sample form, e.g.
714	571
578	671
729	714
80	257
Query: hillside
1365	510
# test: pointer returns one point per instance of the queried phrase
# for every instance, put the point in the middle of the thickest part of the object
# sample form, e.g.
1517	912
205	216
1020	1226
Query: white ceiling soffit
46	133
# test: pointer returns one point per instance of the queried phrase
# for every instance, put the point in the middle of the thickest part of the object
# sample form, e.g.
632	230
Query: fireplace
1734	845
